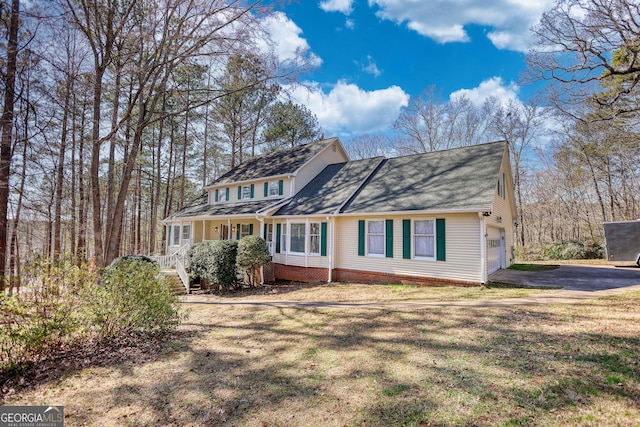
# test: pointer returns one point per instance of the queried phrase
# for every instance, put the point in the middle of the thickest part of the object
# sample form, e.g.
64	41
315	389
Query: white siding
503	215
258	190
311	170
462	249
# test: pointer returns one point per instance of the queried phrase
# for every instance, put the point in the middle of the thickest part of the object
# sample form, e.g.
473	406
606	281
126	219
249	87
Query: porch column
204	230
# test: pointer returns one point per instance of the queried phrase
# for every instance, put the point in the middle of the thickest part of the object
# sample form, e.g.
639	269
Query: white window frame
222	195
283	238
186	232
246	192
501	191
313	236
273	185
415	235
304	237
176	235
383	235
245	230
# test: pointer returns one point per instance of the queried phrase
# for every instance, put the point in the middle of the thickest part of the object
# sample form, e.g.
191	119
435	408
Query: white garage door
495	249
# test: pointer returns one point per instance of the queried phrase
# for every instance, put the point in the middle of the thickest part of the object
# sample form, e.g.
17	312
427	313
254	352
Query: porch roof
196	210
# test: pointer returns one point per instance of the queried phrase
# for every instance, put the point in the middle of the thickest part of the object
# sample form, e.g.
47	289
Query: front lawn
574	364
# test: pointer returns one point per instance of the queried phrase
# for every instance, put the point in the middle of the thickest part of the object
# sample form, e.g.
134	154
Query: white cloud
444	21
371	67
347	109
350	24
286	40
494	87
343	6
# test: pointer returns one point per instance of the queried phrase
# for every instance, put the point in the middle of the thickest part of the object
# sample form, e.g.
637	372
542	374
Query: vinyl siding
298	260
258	192
311	170
503	214
462	247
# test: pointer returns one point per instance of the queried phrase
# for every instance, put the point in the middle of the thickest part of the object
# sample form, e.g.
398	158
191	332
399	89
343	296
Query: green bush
215	262
64	305
133	297
253	252
572	249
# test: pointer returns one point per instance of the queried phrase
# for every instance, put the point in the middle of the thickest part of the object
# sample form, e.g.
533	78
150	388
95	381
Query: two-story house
434	218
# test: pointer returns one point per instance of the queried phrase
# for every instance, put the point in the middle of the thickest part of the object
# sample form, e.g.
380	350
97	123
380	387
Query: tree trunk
7	132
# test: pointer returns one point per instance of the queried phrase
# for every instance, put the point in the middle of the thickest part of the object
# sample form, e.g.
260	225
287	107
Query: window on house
176	235
186	232
274	189
314	238
269	233
375	238
501	185
283	240
246	192
424	238
222	195
297	238
245	230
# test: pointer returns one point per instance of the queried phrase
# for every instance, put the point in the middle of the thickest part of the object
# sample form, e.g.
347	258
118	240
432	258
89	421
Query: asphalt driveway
573	277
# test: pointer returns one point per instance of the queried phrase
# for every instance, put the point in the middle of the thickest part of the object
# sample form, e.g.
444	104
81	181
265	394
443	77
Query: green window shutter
406	238
239	192
361	237
265	231
389	238
440	240
238	232
323	239
280	187
216	199
266	189
252	192
226	192
250	229
278	231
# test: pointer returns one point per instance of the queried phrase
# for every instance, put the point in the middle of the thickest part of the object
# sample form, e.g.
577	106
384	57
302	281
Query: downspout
483	249
330	221
261	221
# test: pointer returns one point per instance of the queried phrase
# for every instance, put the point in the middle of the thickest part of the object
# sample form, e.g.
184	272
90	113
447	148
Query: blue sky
372	56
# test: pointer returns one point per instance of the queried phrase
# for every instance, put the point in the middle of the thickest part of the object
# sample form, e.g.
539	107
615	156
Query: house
444	217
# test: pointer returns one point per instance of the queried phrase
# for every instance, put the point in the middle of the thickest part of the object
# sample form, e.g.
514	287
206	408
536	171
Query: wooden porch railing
176	260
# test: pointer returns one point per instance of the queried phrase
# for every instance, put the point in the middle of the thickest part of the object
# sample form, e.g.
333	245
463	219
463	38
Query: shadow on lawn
443	366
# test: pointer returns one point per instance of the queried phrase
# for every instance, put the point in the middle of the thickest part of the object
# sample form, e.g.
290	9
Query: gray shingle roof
331	188
276	163
457	179
223	209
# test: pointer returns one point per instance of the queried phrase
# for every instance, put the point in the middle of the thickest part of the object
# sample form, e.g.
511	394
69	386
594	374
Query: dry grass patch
267	366
353	292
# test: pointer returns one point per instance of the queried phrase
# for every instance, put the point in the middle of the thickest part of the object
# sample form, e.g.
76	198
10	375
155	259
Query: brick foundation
357	276
300	274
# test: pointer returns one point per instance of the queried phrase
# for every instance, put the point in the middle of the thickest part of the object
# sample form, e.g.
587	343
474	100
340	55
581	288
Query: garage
495	249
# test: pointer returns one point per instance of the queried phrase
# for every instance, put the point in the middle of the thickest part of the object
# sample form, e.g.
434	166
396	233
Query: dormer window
274	189
221	195
246	192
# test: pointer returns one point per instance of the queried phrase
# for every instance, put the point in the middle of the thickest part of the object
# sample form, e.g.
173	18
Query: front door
224	232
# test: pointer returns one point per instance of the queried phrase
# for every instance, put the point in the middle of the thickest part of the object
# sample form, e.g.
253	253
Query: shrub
572	249
47	315
215	262
133	297
253	252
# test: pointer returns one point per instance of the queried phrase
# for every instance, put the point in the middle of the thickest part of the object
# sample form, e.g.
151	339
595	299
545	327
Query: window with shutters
246	192
274	189
375	238
314	238
222	195
245	230
424	239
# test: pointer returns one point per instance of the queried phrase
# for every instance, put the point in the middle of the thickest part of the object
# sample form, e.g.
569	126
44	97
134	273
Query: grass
533	267
237	365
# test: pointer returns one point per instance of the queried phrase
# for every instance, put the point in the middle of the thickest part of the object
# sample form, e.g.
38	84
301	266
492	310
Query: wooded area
117	113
